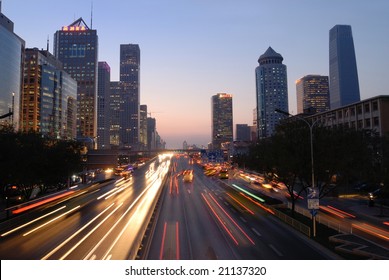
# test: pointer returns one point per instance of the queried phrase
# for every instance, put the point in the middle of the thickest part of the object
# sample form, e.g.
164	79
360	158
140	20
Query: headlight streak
220	220
258	204
56	218
157	181
372	230
74	234
90	232
30	222
248	193
242	205
88	256
232	220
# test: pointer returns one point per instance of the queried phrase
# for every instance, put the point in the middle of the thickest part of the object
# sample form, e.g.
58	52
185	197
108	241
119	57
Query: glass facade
103	95
222	119
271	92
49	95
312	94
11	67
129	111
344	85
76	46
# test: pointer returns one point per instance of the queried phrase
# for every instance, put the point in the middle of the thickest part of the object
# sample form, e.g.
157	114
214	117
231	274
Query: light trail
177	242
31	206
163	241
74	234
90	232
341	211
373	230
258	204
33	221
220	220
248	193
241	204
233	221
56	218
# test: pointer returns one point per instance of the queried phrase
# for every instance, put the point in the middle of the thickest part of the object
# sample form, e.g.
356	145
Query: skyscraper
48	102
11	71
344	85
76	47
103	111
242	132
312	94
272	92
143	126
222	121
129	110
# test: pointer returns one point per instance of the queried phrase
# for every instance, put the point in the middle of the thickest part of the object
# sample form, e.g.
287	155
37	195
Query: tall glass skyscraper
222	121
103	109
76	47
312	94
129	110
48	102
344	85
272	92
11	71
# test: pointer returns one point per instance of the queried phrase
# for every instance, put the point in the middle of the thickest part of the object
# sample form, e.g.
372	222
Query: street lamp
314	193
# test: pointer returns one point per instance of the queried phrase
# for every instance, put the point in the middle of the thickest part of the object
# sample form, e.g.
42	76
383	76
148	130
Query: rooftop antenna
47	43
91	16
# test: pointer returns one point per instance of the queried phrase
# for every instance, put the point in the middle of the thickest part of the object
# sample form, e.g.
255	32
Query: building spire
91	16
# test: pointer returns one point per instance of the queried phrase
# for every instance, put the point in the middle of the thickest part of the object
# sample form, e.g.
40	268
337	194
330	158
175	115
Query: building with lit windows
143	126
115	103
312	94
271	92
48	102
129	111
76	46
343	78
222	120
11	72
103	95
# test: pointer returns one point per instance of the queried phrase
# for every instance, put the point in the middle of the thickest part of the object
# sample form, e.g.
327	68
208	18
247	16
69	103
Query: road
208	219
102	221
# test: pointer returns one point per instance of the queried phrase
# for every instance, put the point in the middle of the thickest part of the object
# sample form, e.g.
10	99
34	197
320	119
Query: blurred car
188	176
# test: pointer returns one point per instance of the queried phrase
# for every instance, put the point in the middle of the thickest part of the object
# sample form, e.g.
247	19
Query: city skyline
191	51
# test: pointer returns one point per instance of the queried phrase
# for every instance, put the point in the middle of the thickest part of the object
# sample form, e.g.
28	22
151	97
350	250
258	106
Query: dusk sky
191	50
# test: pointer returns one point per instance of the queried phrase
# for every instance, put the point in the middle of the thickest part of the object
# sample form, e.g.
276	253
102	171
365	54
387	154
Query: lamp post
314	195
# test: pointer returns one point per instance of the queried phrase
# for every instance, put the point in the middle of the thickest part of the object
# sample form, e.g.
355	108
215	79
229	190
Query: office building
129	111
312	94
343	79
76	46
48	102
103	111
115	102
370	114
143	126
271	92
11	72
243	132
222	120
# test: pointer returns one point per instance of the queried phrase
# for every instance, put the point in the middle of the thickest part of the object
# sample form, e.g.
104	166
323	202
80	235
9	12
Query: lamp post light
314	194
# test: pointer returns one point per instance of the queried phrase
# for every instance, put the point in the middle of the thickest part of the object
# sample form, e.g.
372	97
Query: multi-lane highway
101	221
209	219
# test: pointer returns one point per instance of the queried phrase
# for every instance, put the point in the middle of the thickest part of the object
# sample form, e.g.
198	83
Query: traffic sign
313	203
313	212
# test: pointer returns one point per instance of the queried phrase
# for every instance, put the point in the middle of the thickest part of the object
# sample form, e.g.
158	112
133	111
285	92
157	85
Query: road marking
275	250
256	232
226	203
243	219
93	257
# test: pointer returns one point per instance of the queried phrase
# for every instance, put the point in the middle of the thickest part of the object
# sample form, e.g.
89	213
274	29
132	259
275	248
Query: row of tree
28	161
342	158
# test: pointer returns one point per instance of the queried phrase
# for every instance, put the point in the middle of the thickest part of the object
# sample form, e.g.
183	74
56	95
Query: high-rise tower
11	72
129	110
222	122
312	94
76	46
343	79
103	109
272	92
